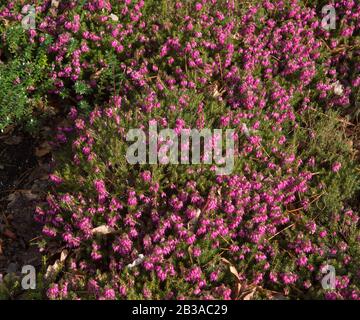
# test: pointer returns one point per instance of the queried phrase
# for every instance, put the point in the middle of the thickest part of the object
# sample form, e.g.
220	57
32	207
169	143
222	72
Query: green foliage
322	135
23	78
9	286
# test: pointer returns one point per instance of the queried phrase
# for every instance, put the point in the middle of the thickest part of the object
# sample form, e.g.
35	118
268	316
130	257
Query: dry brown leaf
13	140
238	289
12	197
232	268
190	250
43	149
234	272
29	195
103	230
54	7
55	3
250	295
225	260
97	74
25	193
248	292
194	221
63	255
272	295
54	269
8	233
239	284
278	297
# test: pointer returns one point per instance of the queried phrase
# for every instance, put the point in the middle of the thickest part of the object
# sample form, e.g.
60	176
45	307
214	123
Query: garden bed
102	218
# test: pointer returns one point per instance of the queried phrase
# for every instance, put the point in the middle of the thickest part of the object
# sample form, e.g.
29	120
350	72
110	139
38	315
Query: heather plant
268	71
185	216
23	78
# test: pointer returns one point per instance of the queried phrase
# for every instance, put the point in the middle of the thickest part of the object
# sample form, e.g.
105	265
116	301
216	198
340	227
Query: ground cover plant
267	69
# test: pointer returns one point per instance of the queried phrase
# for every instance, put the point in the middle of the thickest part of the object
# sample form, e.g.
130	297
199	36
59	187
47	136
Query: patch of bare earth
23	182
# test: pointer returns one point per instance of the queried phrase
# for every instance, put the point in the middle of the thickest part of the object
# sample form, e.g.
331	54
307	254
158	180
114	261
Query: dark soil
23	181
15	160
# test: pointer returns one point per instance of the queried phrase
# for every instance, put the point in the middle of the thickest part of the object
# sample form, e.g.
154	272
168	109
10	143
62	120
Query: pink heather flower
132	201
93	286
64	290
49	232
282	140
146	293
86	151
302	261
117	101
273	277
198	6
123	291
146	176
336	167
194	275
109	112
190	240
290	159
196	252
162	275
322	234
289	278
109	294
33	33
114	43
214	276
95	255
307	284
226	293
331	295
189	26
123	245
61	138
347	260
72	241
80	124
100	188
311	226
197	291
54	178
53	291
115	205
73	113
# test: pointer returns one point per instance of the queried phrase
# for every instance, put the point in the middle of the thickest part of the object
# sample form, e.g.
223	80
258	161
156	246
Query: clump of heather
170	232
164	231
